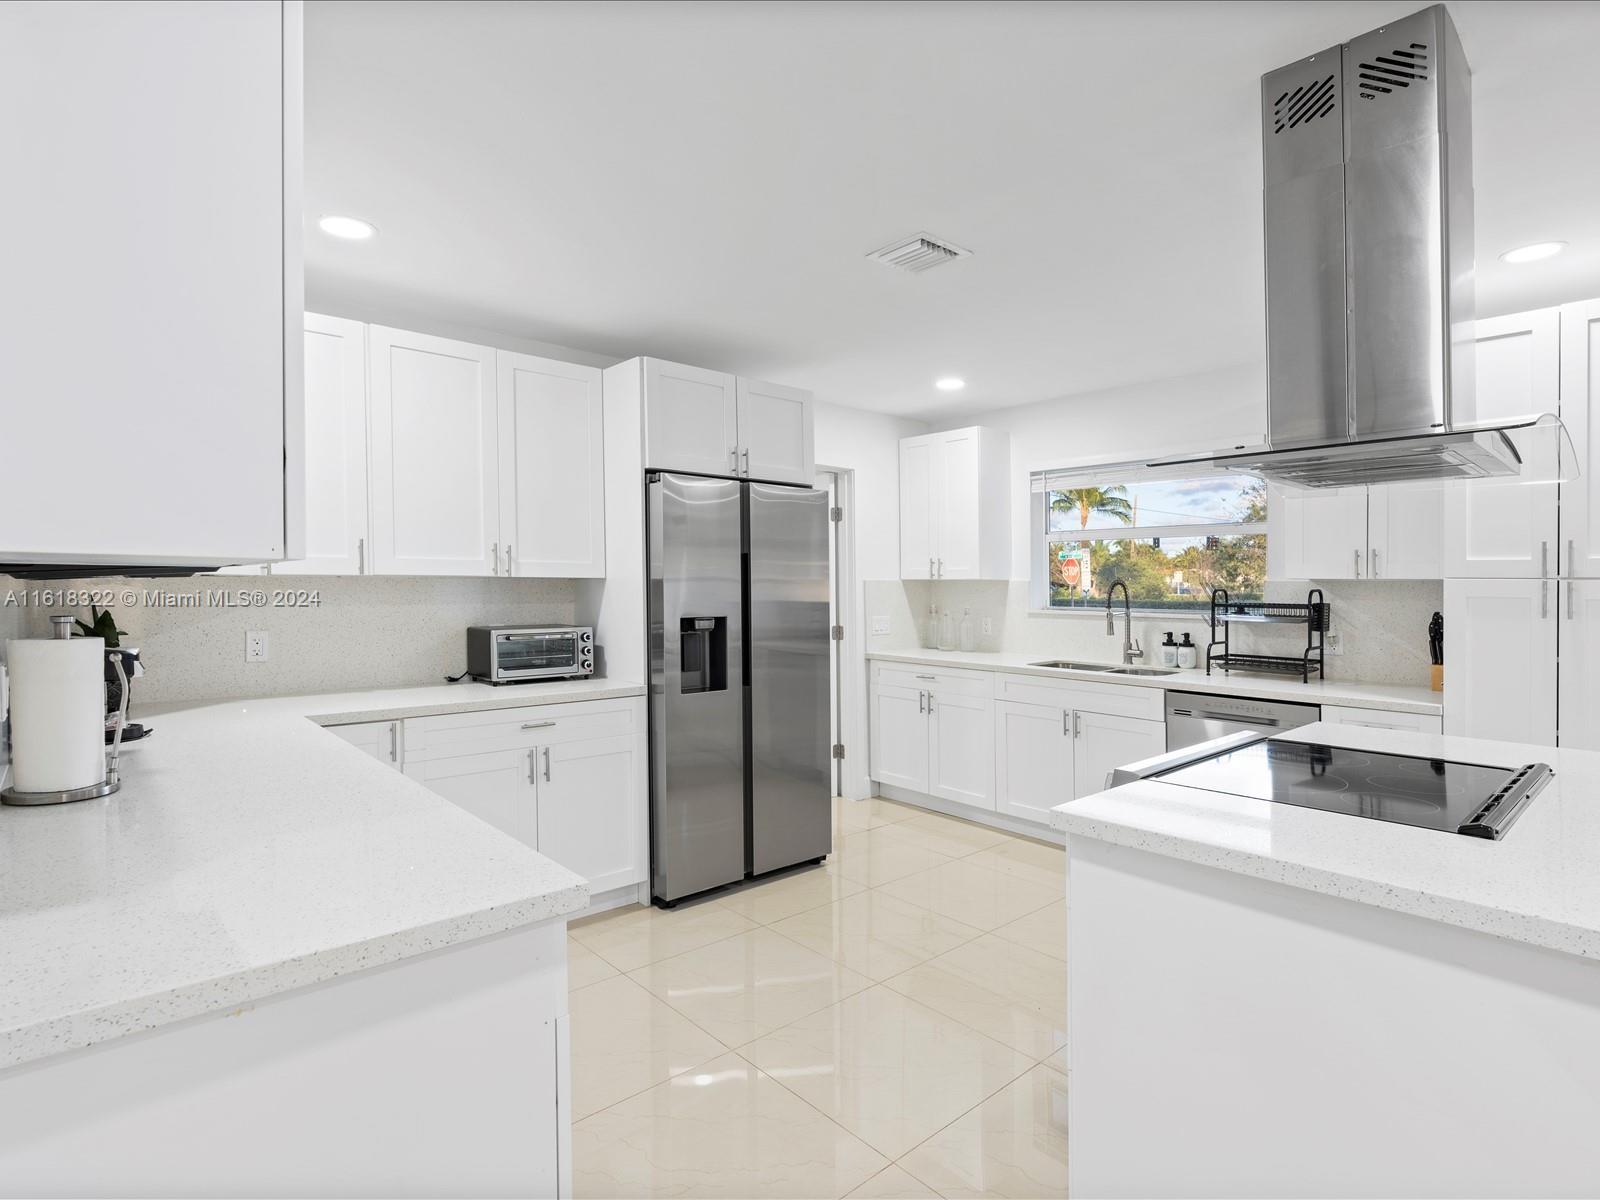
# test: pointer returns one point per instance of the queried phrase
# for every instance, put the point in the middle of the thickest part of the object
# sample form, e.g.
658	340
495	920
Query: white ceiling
702	181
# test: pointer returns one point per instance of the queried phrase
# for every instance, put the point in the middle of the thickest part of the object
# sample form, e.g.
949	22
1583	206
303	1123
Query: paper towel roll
58	713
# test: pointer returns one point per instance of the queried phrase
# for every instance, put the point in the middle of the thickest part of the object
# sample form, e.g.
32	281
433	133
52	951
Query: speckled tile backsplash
363	632
1382	624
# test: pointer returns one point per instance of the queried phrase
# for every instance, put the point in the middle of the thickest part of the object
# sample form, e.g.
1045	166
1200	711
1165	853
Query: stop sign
1072	571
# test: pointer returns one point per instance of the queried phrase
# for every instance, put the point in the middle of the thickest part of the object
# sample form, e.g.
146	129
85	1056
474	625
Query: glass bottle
947	631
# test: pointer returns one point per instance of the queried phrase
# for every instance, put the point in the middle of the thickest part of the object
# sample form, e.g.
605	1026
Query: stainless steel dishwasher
1195	717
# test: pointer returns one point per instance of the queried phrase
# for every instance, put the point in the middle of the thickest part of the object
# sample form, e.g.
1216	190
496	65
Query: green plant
1111	502
103	625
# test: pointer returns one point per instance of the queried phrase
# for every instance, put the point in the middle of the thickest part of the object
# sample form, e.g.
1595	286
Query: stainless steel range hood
1367	155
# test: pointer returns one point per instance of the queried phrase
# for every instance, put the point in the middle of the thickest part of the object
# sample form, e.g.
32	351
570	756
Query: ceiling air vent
918	252
1396	69
1305	103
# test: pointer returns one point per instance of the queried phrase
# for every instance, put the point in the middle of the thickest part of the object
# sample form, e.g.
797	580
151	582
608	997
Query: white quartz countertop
1540	884
1391	697
247	853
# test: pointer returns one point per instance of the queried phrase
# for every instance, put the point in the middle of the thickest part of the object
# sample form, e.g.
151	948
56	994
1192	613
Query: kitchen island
1269	1000
271	964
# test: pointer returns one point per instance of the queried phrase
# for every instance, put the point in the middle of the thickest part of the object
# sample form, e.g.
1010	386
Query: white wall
868	443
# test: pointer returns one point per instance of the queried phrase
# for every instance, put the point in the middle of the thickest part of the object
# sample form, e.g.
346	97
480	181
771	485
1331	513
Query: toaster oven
517	653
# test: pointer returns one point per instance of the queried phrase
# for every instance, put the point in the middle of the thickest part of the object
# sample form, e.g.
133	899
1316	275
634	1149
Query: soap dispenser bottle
1188	653
1169	651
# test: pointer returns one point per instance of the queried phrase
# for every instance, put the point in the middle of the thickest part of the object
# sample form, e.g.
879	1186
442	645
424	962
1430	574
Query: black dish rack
1313	614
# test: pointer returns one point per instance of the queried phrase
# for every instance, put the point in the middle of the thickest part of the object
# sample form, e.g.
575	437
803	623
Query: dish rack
1225	612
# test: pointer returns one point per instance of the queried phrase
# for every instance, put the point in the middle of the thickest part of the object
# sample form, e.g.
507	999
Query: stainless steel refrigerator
740	743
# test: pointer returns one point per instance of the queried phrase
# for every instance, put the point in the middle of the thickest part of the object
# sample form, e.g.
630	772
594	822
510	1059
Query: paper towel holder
61	628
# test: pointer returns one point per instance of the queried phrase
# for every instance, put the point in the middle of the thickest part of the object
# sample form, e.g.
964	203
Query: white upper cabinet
1507	529
691	419
1405	531
955	505
336	449
1500	659
775	433
552	468
434	456
152	283
1580	395
1384	531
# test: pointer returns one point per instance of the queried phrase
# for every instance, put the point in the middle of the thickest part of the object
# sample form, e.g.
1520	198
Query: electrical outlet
988	626
255	646
1333	642
880	625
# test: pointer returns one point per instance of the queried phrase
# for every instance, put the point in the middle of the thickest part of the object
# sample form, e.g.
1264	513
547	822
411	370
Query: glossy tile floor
887	1024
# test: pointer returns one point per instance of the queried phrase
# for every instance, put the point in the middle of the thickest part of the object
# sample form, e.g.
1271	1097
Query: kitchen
778	902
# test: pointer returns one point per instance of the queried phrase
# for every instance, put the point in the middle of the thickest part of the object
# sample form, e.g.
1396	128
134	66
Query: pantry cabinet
710	423
1580	399
552	467
1500	659
434	455
955	491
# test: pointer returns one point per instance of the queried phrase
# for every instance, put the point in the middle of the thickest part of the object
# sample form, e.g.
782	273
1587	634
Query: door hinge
838	749
837	633
836	514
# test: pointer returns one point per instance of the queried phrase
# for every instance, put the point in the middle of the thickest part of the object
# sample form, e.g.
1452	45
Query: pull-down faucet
1131	649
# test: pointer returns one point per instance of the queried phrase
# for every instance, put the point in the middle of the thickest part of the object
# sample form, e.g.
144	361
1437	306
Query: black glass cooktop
1432	793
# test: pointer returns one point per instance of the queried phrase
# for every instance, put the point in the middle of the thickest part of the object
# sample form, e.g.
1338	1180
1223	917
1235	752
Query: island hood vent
1367	191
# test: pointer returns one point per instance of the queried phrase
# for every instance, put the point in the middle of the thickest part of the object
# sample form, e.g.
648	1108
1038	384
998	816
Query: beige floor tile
624	1040
768	900
894	1183
950	836
973	894
851	816
633	937
743	987
881	855
1014	1144
1044	931
876	934
725	1129
584	966
1014	995
1028	859
888	1069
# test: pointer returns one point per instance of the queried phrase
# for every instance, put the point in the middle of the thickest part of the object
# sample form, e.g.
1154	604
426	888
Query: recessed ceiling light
949	384
351	228
1533	253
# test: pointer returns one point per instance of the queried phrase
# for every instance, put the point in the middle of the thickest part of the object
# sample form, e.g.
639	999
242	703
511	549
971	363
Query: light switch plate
880	625
255	646
1333	642
988	626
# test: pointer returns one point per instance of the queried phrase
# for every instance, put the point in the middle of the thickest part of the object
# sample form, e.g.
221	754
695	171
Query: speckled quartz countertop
1540	884
250	852
1392	697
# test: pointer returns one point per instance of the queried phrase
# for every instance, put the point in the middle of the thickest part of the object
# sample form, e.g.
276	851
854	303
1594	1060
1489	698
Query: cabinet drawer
1377	718
952	680
455	734
1117	700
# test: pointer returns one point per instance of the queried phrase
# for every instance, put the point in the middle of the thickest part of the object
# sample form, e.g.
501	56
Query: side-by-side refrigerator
740	742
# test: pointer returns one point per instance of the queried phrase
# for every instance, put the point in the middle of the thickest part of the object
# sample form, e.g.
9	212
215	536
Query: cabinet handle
1544	560
1374	556
547	764
539	725
394	741
930	568
494	556
1572	559
1571	587
1358	564
922	703
1077	729
927	677
508	558
941	568
1544	599
746	453
361	556
533	765
1066	729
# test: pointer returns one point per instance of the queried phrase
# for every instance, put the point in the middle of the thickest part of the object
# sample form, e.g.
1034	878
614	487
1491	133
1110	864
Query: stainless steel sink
1062	664
1143	670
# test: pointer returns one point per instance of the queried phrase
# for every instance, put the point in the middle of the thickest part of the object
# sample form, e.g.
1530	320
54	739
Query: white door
900	737
775	433
691	419
1324	530
1032	759
1405	531
1580	664
1580	398
377	739
918	516
434	456
1506	529
336	449
552	468
498	787
961	748
1500	659
956	478
590	817
1104	743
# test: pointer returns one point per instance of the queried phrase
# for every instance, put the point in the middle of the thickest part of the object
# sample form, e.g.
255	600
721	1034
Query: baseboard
979	816
633	893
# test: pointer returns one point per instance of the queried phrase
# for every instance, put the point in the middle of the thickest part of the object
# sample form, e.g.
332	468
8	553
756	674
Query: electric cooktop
1432	793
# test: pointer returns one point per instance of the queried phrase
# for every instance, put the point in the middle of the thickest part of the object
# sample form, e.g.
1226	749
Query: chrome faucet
1131	650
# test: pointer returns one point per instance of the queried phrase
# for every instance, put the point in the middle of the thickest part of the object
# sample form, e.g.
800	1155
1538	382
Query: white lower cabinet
1378	718
1104	741
961	748
1580	656
496	788
900	736
1500	659
587	819
1033	759
379	739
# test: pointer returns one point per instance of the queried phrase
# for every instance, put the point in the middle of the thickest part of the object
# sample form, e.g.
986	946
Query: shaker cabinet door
1033	759
775	433
498	788
691	419
900	737
590	820
1500	658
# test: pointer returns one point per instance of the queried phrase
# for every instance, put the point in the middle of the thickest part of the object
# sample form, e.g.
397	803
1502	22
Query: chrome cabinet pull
922	702
1572	558
1544	560
1066	729
1571	587
1544	599
361	556
941	568
733	459
927	677
747	461
547	764
1358	563
494	556
508	559
930	568
533	765
394	741
1373	572
1077	728
539	725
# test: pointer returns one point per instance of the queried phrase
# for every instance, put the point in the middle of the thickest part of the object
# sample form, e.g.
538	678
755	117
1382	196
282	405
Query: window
1171	540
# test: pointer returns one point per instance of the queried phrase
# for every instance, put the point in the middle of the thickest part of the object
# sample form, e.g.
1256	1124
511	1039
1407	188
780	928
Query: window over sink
1171	539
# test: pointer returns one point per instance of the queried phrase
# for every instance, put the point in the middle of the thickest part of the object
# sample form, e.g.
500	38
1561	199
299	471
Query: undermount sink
1062	664
1144	670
